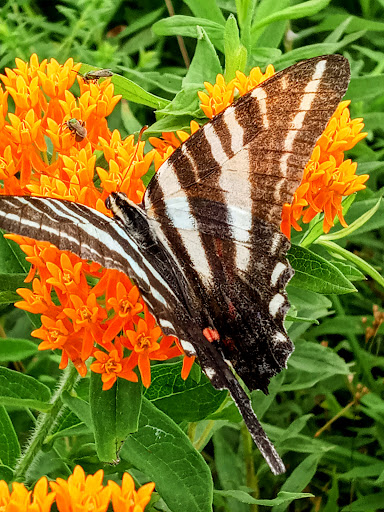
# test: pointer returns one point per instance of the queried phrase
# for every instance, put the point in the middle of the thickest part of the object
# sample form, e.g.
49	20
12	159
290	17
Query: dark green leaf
163	452
300	477
20	390
14	349
281	499
9	444
207	9
312	272
79	407
183	400
188	26
114	415
12	258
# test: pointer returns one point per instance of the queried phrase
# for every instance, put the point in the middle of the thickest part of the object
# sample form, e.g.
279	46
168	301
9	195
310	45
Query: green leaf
316	228
12	258
365	87
6	473
235	52
15	349
349	271
311	363
231	469
300	477
312	272
353	258
183	400
291	13
314	50
114	415
357	224
205	65
367	503
281	499
270	34
189	27
79	407
20	390
162	451
133	92
9	444
207	9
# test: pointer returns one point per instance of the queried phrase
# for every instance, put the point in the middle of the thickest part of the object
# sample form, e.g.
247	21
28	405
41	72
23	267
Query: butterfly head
130	216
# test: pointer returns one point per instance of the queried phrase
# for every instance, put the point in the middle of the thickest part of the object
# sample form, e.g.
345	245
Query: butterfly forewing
206	250
217	202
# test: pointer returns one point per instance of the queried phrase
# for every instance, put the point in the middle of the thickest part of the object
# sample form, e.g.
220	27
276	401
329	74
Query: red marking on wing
211	334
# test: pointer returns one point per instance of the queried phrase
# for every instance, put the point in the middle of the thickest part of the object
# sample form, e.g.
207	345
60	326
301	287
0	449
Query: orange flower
126	306
19	500
86	316
126	498
81	493
113	365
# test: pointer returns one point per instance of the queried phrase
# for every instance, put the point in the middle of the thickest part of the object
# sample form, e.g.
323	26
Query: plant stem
252	480
44	424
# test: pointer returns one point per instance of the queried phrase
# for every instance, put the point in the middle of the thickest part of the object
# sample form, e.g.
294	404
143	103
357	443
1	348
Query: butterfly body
205	247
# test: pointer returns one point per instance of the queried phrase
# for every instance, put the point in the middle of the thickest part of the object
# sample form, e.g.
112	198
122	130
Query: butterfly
204	247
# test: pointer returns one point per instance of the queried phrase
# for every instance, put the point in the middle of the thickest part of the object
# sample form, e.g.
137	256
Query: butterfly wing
217	203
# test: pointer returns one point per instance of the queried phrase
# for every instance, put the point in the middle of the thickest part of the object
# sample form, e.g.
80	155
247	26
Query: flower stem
44	424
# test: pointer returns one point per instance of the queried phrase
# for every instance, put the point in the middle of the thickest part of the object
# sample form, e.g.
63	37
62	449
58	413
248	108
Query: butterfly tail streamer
221	376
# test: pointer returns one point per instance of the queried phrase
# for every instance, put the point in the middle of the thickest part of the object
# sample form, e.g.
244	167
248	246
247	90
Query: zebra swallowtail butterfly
205	247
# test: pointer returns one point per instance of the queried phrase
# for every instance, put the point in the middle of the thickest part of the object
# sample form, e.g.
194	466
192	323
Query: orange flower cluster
48	148
81	493
327	177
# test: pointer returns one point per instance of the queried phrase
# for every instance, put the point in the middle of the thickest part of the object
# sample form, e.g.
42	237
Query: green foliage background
186	436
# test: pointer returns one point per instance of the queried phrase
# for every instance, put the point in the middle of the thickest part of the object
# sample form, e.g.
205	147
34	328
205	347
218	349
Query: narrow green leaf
300	477
311	363
133	92
235	52
312	272
162	451
273	33
365	267
6	473
12	258
365	87
316	229
314	50
188	26
79	407
358	223
20	390
281	499
15	349
183	400
342	324
9	444
205	65
128	407
207	9
366	503
113	416
292	13
349	271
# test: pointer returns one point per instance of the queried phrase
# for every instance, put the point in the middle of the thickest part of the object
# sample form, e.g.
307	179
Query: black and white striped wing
90	235
217	203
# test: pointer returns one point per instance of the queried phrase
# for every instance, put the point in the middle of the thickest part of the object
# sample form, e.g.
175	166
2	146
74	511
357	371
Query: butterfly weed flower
85	319
79	493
